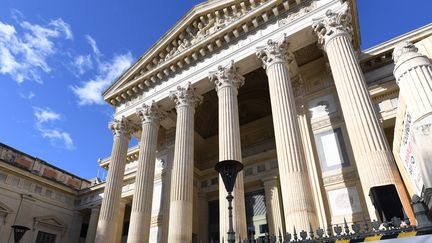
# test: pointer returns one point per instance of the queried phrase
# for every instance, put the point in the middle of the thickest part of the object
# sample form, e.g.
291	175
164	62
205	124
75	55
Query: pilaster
274	209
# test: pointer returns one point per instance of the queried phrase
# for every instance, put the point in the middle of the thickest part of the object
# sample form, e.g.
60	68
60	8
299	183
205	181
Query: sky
56	57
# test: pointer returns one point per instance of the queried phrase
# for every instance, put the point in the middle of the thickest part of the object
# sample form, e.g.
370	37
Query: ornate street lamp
19	232
228	169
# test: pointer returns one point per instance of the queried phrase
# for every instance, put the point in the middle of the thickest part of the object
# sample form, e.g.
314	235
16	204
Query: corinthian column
413	72
375	162
274	213
107	225
296	192
139	229
227	82
180	217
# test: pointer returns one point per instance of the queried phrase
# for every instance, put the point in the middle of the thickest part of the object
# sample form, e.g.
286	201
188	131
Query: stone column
227	81
139	227
375	162
92	227
108	217
274	212
180	217
413	73
296	192
120	221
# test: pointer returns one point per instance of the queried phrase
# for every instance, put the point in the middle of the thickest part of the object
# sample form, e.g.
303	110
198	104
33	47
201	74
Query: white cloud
93	45
44	115
45	119
28	96
91	90
24	55
62	26
58	138
82	63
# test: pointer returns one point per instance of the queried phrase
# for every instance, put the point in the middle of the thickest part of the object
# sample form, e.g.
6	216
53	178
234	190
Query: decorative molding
297	11
121	126
227	77
339	178
51	221
327	122
402	48
150	113
186	96
275	52
194	39
335	23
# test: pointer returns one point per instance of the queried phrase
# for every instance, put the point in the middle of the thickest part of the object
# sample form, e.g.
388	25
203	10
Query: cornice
237	17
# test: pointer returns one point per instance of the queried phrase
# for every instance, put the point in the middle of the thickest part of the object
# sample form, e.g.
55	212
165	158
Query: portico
248	81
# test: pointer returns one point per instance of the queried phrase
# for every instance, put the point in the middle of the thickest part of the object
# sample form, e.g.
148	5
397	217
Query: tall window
331	149
44	237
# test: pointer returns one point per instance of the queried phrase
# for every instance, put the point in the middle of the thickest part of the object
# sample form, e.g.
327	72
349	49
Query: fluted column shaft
107	224
375	162
140	219
180	217
413	73
92	227
274	210
296	192
227	82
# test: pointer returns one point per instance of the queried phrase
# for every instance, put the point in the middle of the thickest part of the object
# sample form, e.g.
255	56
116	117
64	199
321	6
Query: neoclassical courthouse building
324	132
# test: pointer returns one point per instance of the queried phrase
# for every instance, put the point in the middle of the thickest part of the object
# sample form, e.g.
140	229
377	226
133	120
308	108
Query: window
3	177
44	237
38	189
331	149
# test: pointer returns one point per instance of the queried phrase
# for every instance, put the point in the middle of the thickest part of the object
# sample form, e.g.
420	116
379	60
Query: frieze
298	11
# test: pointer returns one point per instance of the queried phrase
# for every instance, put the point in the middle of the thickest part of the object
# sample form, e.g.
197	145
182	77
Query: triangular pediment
52	221
204	29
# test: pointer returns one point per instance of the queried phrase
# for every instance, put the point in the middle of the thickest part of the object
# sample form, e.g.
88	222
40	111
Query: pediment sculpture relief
200	30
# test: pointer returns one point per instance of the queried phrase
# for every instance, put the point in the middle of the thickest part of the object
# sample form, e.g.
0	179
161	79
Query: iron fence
357	232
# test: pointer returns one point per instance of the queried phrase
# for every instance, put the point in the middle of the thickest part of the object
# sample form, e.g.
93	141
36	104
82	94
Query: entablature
208	29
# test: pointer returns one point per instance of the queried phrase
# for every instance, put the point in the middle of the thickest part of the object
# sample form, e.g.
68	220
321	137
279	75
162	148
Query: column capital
121	126
227	76
185	96
275	52
150	113
334	23
402	48
406	57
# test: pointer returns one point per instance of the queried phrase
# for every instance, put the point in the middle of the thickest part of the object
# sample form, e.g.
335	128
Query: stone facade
280	86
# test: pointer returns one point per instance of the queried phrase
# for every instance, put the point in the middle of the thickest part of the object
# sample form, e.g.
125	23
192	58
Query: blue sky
56	56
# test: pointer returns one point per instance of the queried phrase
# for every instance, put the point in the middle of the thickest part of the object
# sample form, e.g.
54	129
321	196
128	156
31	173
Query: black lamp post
228	169
19	232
